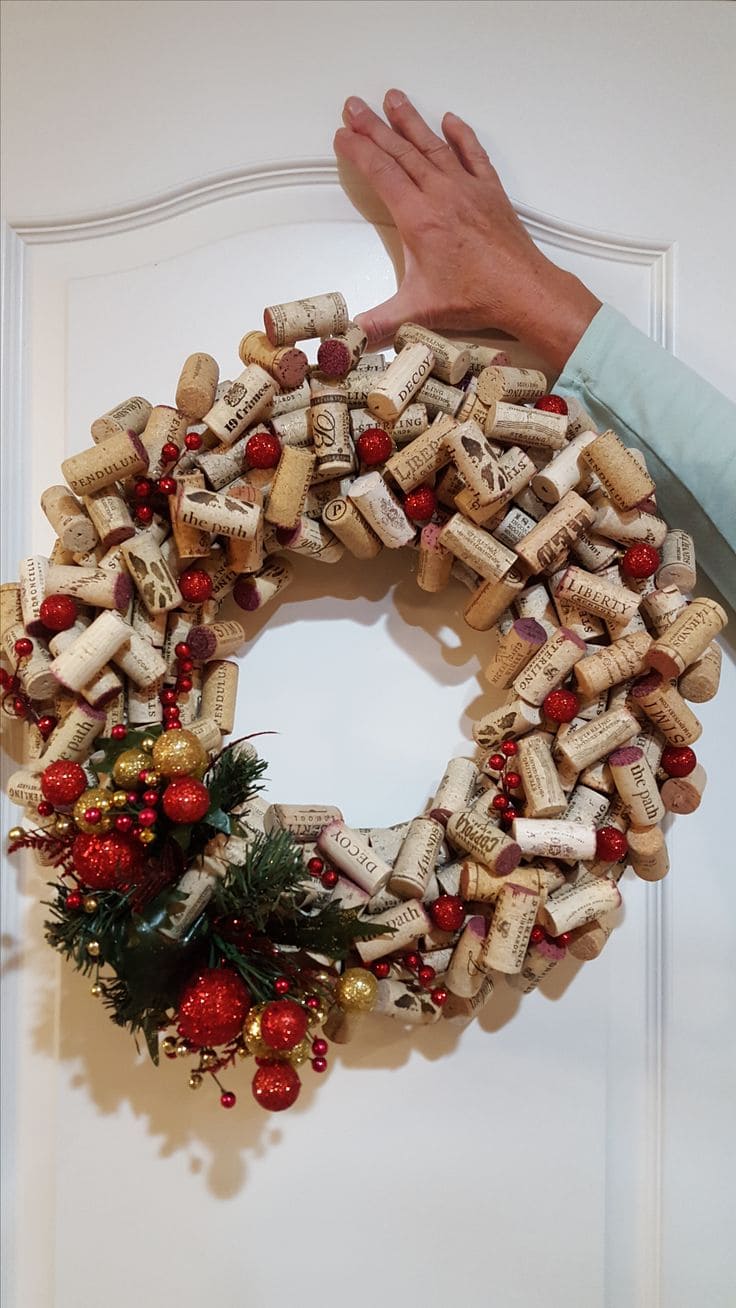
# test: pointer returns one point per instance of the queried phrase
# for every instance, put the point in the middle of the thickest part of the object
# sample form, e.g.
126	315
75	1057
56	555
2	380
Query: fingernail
354	107
395	99
453	118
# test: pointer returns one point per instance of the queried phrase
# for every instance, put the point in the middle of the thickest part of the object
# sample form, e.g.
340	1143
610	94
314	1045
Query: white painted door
168	172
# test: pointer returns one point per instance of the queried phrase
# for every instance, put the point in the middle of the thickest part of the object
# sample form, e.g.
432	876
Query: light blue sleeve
685	428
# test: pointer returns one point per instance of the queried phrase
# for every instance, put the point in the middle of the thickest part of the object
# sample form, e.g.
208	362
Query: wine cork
286	365
114	459
476	547
475	461
585	625
550	666
593	741
587	806
514	385
484	356
525	498
265	586
344	520
247	555
395	999
512	719
623	478
534	602
512	424
491	599
340	352
105	687
130	415
637	785
514	651
701	680
223	463
216	641
34	671
553	536
687	637
72	525
191	542
678	561
151	574
593	551
564	472
10	605
208	734
514	470
91	649
540	960
664	704
595	594
75	735
576	905
223	515
313	539
451	358
627	526
288	401
648	853
303	320
96	586
473	408
434	562
220	693
588	941
290	486
511	926
613	664
438	397
351	853
32	579
662	607
416	859
24	789
545	797
477	883
421	458
110	516
455	789
382	510
465	975
165	426
410	424
141	663
513	526
303	821
485	840
197	384
245	400
683	794
330	427
397	386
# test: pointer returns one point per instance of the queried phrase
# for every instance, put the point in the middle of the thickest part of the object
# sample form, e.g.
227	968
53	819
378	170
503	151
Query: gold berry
90	904
93	949
62	826
93	798
168	1044
147	836
95	990
195	1081
120	799
15	833
147	744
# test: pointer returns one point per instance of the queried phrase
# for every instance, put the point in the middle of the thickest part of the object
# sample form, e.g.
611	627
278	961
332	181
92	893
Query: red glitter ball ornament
213	1007
640	560
58	612
420	504
374	446
263	450
551	404
276	1086
283	1024
106	862
560	705
186	800
611	844
63	782
195	585
679	760
447	912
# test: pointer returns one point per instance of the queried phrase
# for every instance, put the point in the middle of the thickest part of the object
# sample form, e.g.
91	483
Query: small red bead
420	504
228	1099
509	748
131	797
329	879
426	976
312	1001
167	485
440	996
182	650
171	712
497	762
551	404
184	685
282	985
263	450
193	440
46	725
319	1047
23	647
563	940
123	823
381	969
142	489
538	934
412	961
560	705
119	731
73	901
45	809
144	515
679	760
147	817
169	452
174	725
315	867
93	816
513	780
186	665
510	812
195	585
168	696
611	844
20	706
374	446
499	802
151	798
640	560
319	1064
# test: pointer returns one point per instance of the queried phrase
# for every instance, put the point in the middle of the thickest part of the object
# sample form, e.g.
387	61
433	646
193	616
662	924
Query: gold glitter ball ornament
178	754
94	798
301	1053
252	1033
357	990
128	765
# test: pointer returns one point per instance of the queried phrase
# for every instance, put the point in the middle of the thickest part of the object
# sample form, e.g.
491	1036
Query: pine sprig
234	777
331	930
273	868
72	932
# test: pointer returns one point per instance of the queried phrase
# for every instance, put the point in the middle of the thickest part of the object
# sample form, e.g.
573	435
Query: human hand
469	263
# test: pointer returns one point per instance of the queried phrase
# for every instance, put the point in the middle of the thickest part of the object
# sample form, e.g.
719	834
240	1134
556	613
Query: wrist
558	309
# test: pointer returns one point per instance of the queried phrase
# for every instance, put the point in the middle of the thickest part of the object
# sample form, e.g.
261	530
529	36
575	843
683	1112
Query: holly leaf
217	819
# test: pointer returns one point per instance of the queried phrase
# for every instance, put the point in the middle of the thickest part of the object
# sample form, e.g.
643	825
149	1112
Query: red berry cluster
425	974
321	871
15	702
151	495
505	802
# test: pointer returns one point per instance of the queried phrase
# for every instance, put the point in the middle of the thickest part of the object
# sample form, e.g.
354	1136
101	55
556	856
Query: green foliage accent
233	778
273	867
72	931
328	929
112	749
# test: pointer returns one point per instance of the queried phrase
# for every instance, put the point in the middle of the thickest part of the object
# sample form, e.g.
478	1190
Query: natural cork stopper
197	385
620	473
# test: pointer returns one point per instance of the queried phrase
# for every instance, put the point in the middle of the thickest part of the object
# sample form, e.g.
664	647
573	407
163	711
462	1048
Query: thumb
382	323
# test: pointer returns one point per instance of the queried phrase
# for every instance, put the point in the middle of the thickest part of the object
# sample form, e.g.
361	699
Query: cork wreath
220	928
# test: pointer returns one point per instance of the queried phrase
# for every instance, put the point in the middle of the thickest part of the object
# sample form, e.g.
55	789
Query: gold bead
183	1048
242	1052
178	754
357	990
96	990
94	949
15	833
195	1081
91	904
127	766
147	744
120	799
209	1059
147	836
153	776
62	826
168	1044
